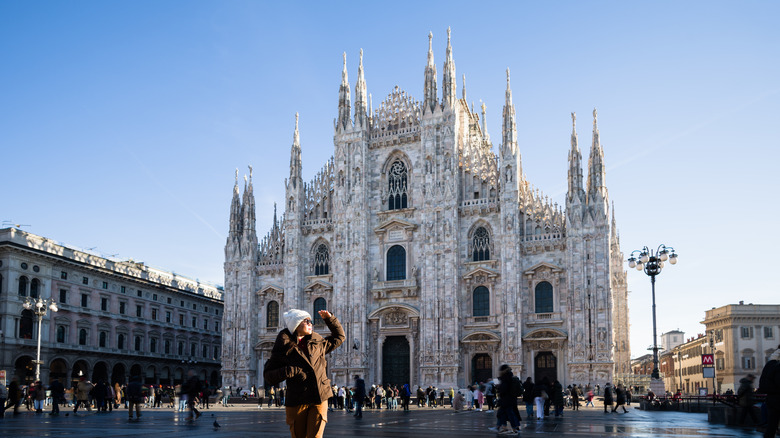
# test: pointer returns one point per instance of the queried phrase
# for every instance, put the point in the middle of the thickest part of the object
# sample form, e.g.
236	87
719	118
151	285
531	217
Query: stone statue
376	274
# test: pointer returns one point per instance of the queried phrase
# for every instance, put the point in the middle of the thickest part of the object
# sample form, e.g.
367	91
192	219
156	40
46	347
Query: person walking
14	396
298	356
620	398
746	399
541	396
3	398
192	388
607	397
769	384
57	395
557	398
82	394
507	401
360	396
528	398
135	397
589	399
406	393
575	397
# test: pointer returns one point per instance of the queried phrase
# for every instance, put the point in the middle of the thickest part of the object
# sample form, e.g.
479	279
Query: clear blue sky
121	123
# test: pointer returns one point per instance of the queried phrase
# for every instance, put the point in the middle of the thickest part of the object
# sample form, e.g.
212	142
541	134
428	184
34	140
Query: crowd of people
100	396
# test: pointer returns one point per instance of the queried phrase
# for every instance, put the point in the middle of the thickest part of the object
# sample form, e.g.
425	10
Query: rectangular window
182	303
768	333
154	314
140	293
748	363
194	322
63	296
746	332
64	275
181	319
122	307
216	312
139	310
192	349
206	309
105	285
720	363
154	297
84	300
194	306
205	324
216	326
104	304
85	280
216	353
123	289
205	351
167	316
169	300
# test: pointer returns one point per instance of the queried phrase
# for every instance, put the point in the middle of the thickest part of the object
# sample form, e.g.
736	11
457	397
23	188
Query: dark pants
55	404
191	405
359	407
747	410
773	418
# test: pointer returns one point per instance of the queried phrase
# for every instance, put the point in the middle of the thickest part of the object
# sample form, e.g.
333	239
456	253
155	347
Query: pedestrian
135	397
507	400
607	397
117	395
478	397
557	397
490	396
746	398
406	393
298	356
620	398
769	384
360	396
589	399
459	402
3	398
528	398
38	397
57	393
82	394
207	394
14	396
575	397
192	388
541	396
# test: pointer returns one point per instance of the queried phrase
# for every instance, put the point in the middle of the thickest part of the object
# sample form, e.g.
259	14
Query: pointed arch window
481	245
319	304
272	314
397	186
23	286
321	260
396	263
35	286
481	301
543	297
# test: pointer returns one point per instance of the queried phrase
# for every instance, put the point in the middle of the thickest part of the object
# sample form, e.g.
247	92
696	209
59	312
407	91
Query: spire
449	86
235	210
248	205
344	99
509	127
485	135
576	191
596	171
295	156
463	89
429	90
361	105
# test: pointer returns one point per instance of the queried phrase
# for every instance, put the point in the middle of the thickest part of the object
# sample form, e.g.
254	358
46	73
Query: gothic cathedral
435	253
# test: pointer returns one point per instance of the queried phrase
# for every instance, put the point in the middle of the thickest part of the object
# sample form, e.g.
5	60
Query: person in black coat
620	398
607	397
360	395
507	401
57	394
528	398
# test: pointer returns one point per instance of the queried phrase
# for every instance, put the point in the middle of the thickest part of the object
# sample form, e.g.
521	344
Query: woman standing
298	357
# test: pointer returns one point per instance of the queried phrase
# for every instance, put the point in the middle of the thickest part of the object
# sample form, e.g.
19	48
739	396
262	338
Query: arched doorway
136	370
100	372
395	360
24	369
546	365
214	379
151	376
118	374
80	369
58	369
165	376
481	368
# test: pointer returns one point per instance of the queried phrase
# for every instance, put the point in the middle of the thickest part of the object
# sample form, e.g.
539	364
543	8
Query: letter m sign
707	360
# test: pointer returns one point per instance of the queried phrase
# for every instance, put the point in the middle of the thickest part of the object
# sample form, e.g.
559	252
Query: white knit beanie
293	317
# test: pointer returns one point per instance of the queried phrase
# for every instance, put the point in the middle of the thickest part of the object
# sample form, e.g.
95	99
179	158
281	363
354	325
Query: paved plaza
249	421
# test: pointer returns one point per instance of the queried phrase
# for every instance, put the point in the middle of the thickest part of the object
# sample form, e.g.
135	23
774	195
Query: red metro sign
707	360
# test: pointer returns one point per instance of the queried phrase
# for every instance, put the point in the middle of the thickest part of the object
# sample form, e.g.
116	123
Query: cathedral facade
435	253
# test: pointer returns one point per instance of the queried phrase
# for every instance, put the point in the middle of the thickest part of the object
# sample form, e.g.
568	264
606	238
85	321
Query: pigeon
216	425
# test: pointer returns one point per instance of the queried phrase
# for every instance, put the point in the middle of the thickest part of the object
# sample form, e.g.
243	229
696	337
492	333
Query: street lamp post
39	307
652	263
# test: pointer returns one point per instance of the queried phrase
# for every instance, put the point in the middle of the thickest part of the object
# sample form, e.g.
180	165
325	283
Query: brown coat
307	377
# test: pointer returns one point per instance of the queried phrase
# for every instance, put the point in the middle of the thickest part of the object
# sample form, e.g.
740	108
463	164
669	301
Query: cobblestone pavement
242	421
